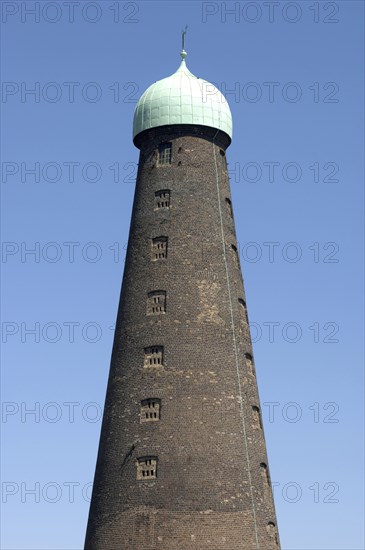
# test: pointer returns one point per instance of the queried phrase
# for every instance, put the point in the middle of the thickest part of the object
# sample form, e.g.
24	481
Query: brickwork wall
210	491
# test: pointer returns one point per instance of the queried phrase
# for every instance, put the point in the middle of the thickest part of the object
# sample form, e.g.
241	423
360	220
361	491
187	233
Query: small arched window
159	248
249	363
162	199
156	302
153	356
235	254
264	473
150	410
244	310
229	207
146	468
164	154
257	416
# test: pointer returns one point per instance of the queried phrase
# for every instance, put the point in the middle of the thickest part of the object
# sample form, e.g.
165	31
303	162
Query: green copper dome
182	98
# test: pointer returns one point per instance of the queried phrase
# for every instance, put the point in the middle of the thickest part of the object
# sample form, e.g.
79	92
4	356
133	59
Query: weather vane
183	36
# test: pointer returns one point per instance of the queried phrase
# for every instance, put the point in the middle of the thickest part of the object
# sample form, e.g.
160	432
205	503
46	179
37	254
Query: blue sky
293	75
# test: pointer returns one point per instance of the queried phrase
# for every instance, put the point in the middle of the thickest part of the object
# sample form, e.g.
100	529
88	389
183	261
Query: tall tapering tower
182	460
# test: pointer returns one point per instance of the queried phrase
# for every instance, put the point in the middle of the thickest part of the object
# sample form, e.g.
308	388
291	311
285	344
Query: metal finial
183	33
183	36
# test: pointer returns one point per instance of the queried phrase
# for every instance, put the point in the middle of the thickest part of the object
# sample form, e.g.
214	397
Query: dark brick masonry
193	473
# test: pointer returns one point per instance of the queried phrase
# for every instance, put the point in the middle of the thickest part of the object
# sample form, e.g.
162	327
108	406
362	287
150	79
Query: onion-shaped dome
182	98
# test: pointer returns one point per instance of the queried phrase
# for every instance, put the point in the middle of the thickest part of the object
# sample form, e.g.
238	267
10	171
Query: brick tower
182	461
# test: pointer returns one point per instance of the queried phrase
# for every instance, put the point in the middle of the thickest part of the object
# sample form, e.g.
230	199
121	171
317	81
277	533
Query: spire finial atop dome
183	52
